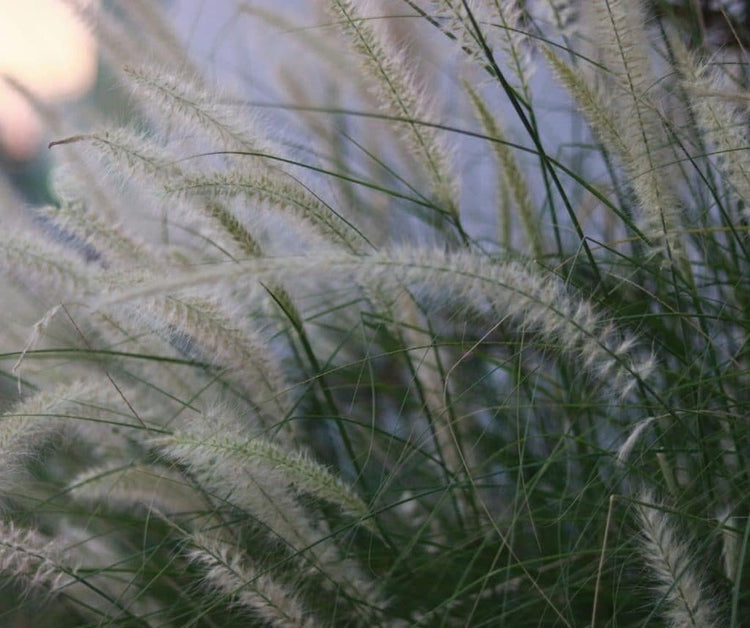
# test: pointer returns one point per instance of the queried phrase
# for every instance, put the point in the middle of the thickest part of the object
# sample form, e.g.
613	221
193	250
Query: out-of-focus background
47	49
258	50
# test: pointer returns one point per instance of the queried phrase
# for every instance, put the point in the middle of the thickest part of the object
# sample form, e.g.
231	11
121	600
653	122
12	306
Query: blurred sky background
259	61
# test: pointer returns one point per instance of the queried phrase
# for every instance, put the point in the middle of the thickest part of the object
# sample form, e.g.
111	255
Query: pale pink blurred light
46	48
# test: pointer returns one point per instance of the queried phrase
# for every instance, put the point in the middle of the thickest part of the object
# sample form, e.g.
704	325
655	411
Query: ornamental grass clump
452	330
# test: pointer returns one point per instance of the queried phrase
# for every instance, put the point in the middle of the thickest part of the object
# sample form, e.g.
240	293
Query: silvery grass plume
625	112
389	346
49	570
91	411
685	597
509	290
254	592
34	560
625	55
255	475
400	96
719	119
513	181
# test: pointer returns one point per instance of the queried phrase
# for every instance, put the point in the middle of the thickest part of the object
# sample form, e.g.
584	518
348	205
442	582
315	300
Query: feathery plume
400	97
96	237
135	153
299	469
260	487
514	41
287	197
230	575
201	328
36	423
45	267
532	301
33	559
187	98
511	176
620	30
623	454
670	560
723	126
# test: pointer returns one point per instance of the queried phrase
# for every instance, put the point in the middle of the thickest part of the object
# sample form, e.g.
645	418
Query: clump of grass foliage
454	332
